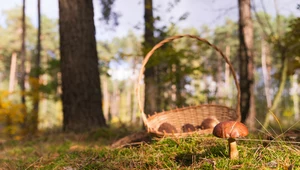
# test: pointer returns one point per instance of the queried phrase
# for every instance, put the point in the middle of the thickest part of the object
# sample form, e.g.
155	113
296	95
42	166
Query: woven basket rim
156	114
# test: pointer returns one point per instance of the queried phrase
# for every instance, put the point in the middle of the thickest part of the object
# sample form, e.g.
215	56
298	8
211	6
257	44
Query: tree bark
134	108
106	98
246	63
219	94
227	78
82	102
151	90
12	73
277	98
178	82
33	124
22	66
295	96
128	89
12	76
266	72
115	101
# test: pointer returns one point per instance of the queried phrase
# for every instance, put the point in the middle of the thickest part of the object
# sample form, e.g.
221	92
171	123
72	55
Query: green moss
204	152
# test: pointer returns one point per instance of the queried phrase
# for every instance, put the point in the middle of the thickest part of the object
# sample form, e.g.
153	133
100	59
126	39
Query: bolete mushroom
209	123
167	128
188	127
231	130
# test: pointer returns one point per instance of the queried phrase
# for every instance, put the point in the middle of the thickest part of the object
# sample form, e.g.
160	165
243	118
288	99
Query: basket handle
169	39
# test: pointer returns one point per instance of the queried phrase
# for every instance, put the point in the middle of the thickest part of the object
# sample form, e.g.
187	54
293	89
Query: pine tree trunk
134	101
266	73
219	95
115	101
246	63
151	90
12	77
82	102
277	98
106	98
12	73
295	96
128	89
22	67
227	78
33	124
179	99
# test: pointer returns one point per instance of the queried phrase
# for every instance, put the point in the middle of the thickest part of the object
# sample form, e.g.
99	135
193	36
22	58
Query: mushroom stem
233	152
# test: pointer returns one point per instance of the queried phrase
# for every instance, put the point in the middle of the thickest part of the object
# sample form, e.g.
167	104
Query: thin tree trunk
246	64
250	121
266	73
151	90
115	101
227	77
128	99
277	97
284	69
295	96
159	87
219	95
132	107
106	98
177	82
36	97
12	76
133	104
22	67
12	73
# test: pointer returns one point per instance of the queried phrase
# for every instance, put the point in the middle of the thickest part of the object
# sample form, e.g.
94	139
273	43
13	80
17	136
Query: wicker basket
193	115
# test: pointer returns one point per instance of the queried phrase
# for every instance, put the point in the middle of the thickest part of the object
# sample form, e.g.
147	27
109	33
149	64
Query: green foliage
118	50
292	42
50	79
11	37
278	50
107	12
48	84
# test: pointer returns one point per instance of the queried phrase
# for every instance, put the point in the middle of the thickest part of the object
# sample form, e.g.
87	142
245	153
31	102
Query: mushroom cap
188	127
230	129
209	123
167	128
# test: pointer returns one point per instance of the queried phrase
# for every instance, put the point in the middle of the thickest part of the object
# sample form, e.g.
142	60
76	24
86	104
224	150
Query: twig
271	141
132	144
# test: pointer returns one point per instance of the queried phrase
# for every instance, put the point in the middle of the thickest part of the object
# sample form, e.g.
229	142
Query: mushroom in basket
188	127
209	123
167	128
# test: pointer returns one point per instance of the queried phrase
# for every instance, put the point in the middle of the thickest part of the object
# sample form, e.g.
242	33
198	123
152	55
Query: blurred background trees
184	72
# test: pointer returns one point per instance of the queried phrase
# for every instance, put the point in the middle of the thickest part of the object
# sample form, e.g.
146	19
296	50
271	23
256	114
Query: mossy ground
92	151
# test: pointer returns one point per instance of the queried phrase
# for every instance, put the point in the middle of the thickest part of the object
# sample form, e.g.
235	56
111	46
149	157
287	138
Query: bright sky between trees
209	12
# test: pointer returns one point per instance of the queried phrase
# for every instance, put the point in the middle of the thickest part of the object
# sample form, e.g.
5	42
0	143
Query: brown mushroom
167	128
188	127
209	123
231	130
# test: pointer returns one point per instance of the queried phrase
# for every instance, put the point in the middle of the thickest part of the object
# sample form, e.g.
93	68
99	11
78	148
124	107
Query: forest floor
93	151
